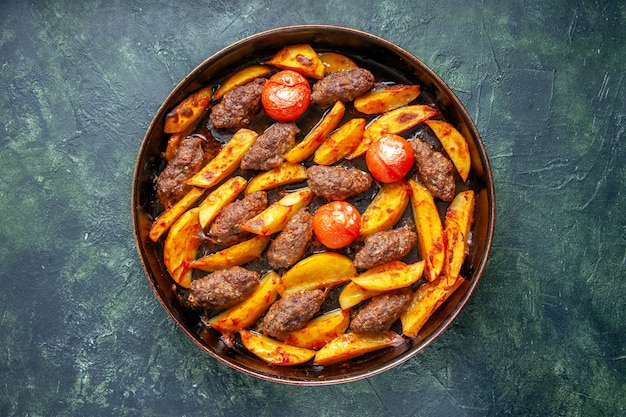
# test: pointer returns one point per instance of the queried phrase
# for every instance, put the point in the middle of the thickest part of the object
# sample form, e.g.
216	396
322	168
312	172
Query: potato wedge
334	61
395	122
350	345
320	330
218	198
390	279
340	143
388	98
248	311
300	58
455	145
238	254
316	136
386	208
226	161
181	246
429	229
426	299
286	173
274	352
241	77
274	218
167	218
353	294
188	111
458	222
321	270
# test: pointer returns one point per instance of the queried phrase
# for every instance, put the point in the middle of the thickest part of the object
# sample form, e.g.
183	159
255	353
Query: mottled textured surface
81	332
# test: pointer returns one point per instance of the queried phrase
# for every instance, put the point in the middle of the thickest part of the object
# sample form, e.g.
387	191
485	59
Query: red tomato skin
286	96
336	224
390	158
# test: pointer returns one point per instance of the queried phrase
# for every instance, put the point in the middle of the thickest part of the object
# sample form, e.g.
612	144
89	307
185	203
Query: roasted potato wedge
334	61
340	143
320	330
455	145
300	58
390	97
286	173
188	111
394	122
353	294
316	136
248	311
181	246
168	217
390	278
238	254
321	270
426	299
458	222
274	352
226	161
274	218
218	198
240	78
386	208
429	229
350	345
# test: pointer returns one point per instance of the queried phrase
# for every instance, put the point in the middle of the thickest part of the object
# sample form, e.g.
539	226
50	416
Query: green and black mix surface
81	332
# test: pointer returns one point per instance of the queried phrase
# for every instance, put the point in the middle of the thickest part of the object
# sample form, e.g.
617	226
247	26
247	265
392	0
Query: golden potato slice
188	111
226	161
353	294
320	330
299	58
394	122
336	62
248	311
350	345
386	208
286	173
274	352
387	98
181	246
241	77
174	141
390	279
238	254
316	136
429	229
321	270
455	145
458	222
274	218
168	217
426	299
340	143
218	198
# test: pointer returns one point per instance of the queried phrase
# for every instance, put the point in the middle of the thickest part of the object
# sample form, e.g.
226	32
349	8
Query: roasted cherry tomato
336	224
390	158
286	96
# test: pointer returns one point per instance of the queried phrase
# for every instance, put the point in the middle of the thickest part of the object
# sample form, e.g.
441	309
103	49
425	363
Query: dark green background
81	332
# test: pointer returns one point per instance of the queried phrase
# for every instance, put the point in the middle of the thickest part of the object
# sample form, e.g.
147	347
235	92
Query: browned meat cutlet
224	288
292	312
385	246
226	228
269	149
381	311
290	245
434	170
239	106
337	183
342	86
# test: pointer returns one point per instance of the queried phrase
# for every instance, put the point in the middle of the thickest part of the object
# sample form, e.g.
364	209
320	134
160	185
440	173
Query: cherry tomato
336	224
390	158
286	96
